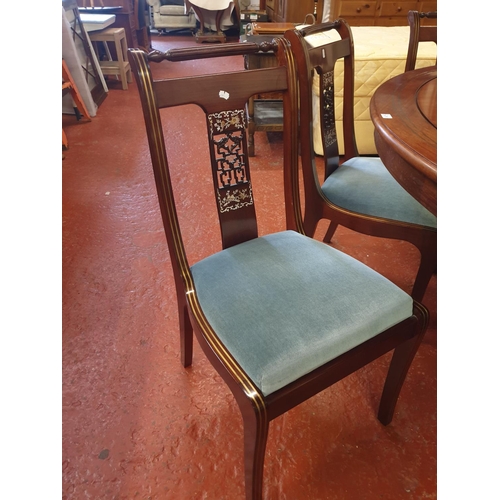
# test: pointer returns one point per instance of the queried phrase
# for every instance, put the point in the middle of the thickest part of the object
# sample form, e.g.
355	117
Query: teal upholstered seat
276	325
364	185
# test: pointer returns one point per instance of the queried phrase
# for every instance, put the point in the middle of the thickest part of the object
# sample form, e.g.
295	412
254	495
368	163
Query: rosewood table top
404	113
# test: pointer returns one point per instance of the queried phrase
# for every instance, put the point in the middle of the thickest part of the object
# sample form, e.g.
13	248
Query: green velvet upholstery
274	322
364	185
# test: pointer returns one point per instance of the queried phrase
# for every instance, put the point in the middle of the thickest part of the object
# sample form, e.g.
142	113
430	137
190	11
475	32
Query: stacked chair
281	316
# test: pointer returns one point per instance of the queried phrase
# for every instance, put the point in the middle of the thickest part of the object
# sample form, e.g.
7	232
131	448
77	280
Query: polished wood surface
426	101
404	112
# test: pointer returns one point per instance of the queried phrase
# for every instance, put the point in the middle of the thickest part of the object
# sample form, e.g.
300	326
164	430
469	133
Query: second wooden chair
357	192
419	33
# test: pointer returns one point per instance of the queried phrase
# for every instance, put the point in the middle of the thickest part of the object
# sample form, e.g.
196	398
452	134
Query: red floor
136	424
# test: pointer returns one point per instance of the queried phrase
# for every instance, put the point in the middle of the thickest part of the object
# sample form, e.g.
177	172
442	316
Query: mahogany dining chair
257	305
356	192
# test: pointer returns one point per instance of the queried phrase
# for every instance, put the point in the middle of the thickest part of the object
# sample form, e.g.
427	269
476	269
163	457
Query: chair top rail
218	92
228	49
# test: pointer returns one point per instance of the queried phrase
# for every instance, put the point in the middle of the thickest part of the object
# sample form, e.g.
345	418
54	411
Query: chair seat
274	290
364	185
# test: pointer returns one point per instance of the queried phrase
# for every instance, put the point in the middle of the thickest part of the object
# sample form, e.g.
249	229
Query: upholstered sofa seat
171	15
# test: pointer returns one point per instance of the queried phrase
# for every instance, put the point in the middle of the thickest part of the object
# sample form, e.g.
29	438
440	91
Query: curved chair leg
186	333
400	364
310	222
427	267
330	231
256	428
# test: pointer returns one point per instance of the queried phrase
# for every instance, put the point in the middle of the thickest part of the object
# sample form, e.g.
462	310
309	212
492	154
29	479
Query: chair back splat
257	305
355	192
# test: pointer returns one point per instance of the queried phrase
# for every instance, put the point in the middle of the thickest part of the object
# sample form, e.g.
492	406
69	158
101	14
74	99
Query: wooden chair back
322	60
419	33
318	50
223	97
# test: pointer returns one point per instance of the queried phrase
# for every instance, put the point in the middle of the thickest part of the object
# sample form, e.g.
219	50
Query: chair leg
310	222
428	266
330	231
121	53
186	332
400	364
256	428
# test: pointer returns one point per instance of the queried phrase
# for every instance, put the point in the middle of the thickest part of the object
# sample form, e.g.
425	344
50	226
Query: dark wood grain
407	142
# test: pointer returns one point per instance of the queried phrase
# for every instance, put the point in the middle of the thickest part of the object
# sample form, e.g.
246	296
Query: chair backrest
223	98
419	33
317	50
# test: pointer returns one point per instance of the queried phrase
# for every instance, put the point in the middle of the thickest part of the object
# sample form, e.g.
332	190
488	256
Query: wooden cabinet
355	12
292	11
377	12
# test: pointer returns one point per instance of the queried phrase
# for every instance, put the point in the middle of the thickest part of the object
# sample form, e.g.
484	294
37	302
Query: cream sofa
379	54
170	15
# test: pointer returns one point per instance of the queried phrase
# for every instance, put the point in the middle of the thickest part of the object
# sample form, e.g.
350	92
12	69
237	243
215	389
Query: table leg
202	35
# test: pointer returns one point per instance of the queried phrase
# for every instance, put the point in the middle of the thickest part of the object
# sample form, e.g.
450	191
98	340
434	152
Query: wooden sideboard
378	12
355	12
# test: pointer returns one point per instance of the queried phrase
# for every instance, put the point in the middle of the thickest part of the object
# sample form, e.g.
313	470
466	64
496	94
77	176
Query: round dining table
404	114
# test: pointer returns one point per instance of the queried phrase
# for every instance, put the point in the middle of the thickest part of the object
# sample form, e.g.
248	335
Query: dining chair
256	305
419	33
357	192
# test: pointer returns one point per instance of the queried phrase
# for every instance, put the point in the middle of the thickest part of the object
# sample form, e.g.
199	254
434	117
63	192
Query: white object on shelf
94	22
